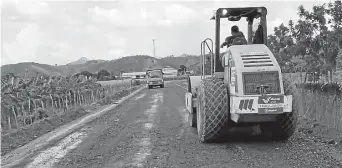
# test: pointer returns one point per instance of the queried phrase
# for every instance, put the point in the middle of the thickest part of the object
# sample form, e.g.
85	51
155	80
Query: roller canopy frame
250	13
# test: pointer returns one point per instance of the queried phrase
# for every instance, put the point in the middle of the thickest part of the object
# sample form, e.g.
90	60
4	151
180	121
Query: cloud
275	23
32	7
61	32
58	53
141	15
111	14
91	29
24	48
115	53
177	13
116	41
125	16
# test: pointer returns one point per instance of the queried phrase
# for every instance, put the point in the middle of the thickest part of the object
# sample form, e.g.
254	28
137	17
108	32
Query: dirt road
150	130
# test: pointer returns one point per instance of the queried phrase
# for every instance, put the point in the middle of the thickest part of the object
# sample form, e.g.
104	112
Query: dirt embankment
321	133
22	136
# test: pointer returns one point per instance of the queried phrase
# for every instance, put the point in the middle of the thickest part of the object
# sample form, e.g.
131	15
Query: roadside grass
320	114
320	107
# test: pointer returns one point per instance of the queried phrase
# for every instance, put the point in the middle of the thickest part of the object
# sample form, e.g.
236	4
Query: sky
59	32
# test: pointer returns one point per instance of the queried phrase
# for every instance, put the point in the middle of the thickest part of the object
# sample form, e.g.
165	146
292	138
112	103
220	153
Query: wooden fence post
41	101
52	102
22	110
9	122
35	105
57	107
29	104
59	102
75	99
92	96
62	103
66	102
79	98
15	117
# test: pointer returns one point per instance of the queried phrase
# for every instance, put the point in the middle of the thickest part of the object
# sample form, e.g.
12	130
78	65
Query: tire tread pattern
287	122
214	108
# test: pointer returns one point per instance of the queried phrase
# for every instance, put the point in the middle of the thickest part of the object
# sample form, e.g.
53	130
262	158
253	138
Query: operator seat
258	36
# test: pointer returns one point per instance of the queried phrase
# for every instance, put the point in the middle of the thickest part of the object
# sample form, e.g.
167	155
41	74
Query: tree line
313	43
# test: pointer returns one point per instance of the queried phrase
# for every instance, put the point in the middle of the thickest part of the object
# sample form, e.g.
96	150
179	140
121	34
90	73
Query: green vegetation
309	45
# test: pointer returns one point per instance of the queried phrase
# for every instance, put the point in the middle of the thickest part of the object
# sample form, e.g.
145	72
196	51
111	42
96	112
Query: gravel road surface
151	130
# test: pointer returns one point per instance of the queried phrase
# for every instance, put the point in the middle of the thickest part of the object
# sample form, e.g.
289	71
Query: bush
328	88
318	102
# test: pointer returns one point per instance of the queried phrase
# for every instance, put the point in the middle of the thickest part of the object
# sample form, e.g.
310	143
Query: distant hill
126	64
79	61
32	68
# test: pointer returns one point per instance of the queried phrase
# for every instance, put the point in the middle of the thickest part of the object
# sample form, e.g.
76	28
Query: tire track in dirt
49	157
103	134
145	142
166	136
24	155
52	155
183	112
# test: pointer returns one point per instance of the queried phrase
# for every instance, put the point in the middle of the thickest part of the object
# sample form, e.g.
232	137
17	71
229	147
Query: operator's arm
227	41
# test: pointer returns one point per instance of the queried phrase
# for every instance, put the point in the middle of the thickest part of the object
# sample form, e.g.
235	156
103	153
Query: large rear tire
212	109
286	123
285	126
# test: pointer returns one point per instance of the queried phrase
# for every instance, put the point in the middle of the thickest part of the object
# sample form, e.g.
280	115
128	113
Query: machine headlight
259	10
224	12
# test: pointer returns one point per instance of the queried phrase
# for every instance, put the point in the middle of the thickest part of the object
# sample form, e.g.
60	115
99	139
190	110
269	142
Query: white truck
154	77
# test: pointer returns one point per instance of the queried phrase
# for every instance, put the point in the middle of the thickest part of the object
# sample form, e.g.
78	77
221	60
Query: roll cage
235	14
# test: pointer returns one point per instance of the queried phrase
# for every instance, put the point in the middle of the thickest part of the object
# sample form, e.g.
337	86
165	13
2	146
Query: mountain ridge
82	60
136	63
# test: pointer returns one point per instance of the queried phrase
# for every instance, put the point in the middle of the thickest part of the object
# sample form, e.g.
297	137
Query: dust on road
151	130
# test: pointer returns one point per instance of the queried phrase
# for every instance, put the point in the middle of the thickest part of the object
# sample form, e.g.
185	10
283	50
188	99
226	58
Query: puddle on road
52	155
144	144
140	96
157	97
183	112
148	126
153	109
150	112
161	97
141	143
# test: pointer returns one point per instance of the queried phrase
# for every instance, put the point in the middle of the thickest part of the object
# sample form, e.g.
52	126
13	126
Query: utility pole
154	48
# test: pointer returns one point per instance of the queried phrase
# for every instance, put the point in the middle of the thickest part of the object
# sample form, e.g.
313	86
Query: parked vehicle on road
154	77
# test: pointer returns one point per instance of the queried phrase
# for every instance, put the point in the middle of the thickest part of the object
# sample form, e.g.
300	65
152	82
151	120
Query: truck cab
154	77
